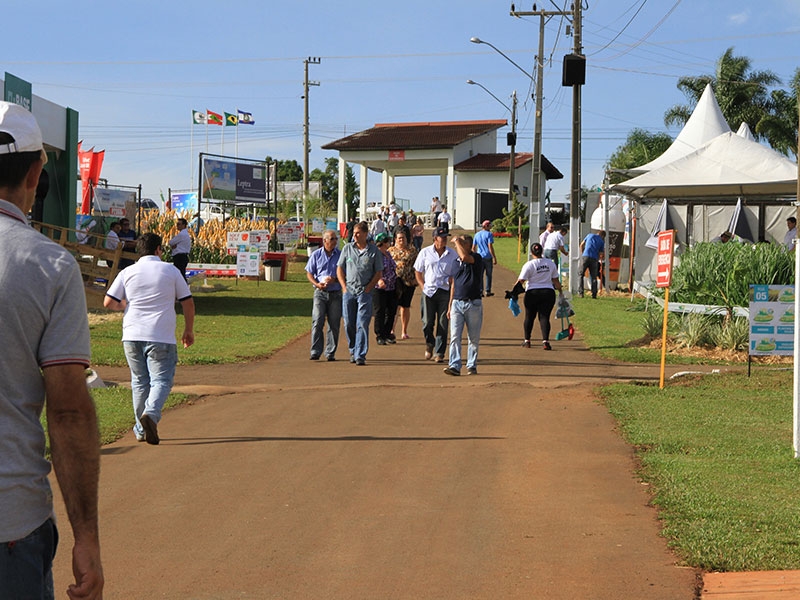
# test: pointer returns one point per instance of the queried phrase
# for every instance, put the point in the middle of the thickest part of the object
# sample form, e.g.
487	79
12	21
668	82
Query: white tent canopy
704	125
729	165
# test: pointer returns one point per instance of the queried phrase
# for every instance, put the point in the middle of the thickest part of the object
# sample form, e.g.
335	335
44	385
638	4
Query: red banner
90	163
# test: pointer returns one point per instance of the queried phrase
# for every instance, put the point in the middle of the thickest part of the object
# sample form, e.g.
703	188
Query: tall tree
780	128
329	178
743	94
288	170
639	149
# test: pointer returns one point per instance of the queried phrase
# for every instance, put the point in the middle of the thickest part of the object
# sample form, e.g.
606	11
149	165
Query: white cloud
739	18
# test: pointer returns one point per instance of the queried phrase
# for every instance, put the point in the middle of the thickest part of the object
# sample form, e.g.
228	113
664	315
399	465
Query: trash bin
272	270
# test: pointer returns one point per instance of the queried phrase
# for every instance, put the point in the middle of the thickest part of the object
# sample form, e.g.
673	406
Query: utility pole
536	170
513	143
575	189
313	60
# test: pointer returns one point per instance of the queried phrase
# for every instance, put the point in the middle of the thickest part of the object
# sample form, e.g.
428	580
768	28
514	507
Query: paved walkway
291	479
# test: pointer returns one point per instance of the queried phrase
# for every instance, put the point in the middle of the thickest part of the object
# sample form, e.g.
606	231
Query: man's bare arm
75	450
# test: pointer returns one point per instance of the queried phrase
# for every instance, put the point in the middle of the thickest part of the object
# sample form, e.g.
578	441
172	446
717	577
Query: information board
771	320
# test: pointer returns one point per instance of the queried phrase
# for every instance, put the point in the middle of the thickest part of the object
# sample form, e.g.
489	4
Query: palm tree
780	128
743	95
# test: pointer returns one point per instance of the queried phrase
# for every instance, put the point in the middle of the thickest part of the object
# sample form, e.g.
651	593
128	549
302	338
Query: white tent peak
704	125
728	165
744	131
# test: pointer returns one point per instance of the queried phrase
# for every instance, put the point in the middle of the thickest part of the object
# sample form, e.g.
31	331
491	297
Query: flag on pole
245	118
231	120
214	118
199	118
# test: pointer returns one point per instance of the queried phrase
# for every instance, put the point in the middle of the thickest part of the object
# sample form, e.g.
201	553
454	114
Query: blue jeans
488	267
327	305
434	316
26	565
152	367
357	313
469	313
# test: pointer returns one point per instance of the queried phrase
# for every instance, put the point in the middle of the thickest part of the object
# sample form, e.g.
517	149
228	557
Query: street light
533	216
512	140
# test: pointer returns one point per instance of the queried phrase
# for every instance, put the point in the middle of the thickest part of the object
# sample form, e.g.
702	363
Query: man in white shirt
181	245
378	226
434	268
788	239
445	219
555	244
112	237
147	291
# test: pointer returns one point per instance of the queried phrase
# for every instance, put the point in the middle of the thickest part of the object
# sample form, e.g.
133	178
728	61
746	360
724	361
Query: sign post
666	246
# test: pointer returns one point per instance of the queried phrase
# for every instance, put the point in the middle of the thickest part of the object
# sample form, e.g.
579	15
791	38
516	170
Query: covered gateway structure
439	149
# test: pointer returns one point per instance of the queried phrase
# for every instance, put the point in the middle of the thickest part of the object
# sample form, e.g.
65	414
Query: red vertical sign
90	164
666	244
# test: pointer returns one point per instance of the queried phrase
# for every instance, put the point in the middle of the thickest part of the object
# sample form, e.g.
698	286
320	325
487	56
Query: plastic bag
513	306
564	307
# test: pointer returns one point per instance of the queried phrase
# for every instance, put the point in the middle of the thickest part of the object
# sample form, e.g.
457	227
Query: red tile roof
501	162
415	136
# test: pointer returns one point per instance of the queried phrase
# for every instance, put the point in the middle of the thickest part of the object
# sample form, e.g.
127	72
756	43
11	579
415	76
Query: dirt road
292	479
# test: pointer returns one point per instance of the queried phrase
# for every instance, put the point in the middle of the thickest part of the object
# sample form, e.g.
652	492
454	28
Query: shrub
721	274
732	334
694	329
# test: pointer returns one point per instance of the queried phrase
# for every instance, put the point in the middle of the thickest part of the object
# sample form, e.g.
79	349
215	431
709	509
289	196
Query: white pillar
385	188
341	213
390	192
451	188
362	197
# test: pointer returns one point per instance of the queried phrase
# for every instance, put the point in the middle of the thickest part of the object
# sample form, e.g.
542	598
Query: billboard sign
232	181
186	202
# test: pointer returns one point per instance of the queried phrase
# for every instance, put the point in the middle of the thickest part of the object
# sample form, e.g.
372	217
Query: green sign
18	91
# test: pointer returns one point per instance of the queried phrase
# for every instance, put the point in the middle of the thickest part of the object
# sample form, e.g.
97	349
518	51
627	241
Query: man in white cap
45	332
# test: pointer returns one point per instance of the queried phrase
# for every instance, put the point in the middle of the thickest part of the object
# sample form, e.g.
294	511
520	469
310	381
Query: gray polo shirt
360	266
42	323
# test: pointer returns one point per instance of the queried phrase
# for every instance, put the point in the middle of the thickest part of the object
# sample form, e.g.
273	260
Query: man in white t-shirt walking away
548	229
555	244
147	291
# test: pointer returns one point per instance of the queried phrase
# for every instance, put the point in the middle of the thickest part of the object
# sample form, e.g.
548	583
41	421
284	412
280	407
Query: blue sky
136	70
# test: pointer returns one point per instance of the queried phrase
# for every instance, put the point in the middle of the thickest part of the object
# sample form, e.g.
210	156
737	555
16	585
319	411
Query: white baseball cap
22	126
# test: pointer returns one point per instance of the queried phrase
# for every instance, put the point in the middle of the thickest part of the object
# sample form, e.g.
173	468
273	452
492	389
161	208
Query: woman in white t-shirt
540	276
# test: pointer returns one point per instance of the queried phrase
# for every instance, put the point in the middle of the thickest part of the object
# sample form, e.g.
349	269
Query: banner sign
90	164
256	240
290	233
229	181
112	202
247	264
186	202
18	91
771	320
666	243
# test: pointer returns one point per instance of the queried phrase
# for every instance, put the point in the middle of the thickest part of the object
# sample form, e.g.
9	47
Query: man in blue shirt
484	245
466	306
359	268
592	248
321	272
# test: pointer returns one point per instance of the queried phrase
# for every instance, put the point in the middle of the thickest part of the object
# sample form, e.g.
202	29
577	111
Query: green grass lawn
715	449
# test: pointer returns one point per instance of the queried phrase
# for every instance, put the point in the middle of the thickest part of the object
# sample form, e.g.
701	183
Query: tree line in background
326	204
744	96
